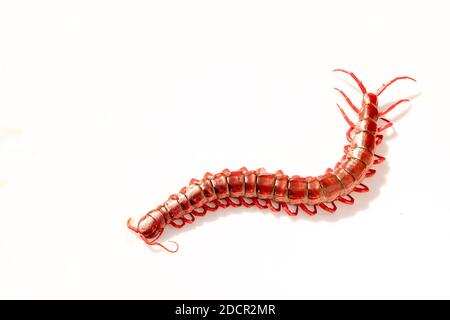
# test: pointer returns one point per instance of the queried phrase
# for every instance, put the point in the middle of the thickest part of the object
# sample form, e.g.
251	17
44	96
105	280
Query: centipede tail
277	191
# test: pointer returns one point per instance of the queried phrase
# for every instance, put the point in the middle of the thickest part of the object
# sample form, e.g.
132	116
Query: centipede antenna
351	74
165	248
350	103
152	242
131	227
385	85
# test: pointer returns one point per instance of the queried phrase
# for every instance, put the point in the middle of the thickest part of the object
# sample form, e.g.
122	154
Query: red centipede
277	191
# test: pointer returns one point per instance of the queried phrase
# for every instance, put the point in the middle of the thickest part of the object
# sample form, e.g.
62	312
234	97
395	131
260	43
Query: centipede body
278	191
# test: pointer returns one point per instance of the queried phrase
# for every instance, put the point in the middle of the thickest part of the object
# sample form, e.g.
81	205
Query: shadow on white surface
5	135
385	105
344	211
362	202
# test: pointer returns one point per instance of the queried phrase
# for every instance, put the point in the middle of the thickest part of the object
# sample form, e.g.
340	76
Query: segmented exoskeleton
278	191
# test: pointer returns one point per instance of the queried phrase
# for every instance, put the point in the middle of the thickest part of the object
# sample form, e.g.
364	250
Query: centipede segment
278	191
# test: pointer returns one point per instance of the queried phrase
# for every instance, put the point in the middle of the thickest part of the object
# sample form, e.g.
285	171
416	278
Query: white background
108	107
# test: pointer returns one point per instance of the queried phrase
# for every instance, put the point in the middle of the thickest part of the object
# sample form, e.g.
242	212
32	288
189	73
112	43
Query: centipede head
147	227
150	227
370	99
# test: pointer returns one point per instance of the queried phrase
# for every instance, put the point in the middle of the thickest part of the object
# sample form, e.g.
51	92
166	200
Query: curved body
278	191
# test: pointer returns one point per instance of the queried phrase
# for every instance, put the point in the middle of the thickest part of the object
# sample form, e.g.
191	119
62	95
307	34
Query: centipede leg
379	159
288	210
384	86
386	126
131	226
272	207
194	181
349	134
188	218
347	199
390	108
309	211
352	125
246	203
234	202
153	242
259	204
200	212
325	207
208	175
350	103
361	188
337	165
177	225
378	139
208	207
346	148
370	173
221	203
